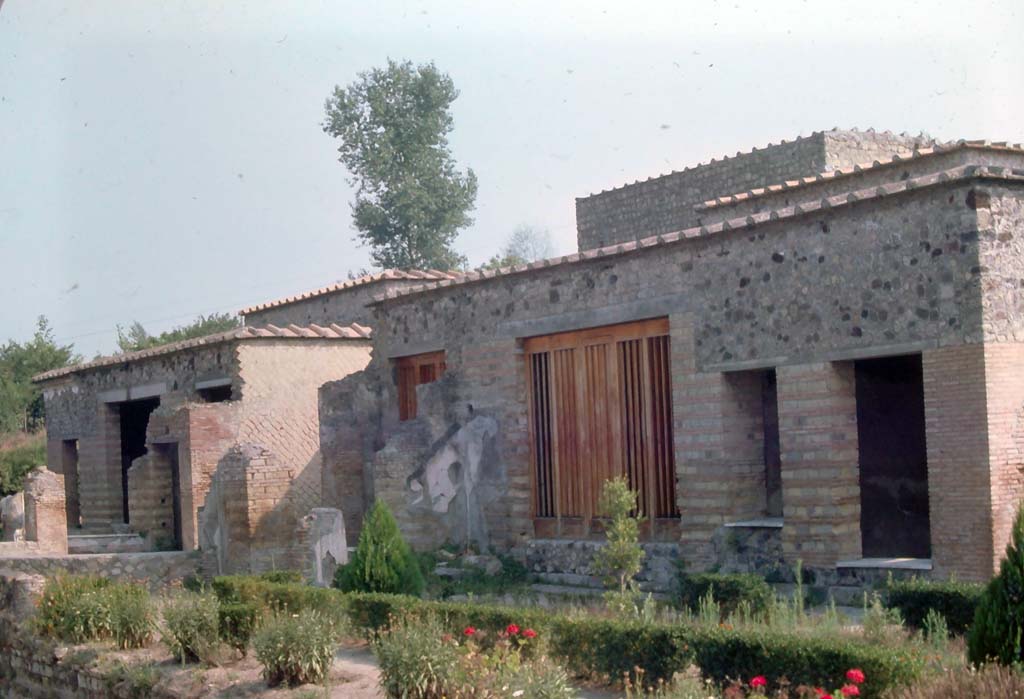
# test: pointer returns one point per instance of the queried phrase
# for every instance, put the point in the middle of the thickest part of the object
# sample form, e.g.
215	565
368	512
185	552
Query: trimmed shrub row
956	601
609	648
729	591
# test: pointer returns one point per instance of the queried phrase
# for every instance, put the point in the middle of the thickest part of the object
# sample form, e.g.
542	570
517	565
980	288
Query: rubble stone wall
665	204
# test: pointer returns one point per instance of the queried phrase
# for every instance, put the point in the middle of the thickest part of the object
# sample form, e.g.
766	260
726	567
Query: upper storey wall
666	204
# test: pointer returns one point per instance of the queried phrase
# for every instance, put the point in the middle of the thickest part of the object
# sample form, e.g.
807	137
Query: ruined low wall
571	562
157	569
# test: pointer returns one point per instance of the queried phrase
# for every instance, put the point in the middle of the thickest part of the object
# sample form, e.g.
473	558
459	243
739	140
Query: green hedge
605	648
956	601
729	591
723	654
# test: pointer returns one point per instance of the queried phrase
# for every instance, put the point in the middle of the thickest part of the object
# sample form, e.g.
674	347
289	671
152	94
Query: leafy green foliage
236	624
608	648
997	633
729	591
132	615
295	649
383	561
191	622
526	244
915	598
421	659
135	337
621	558
19	454
411	201
74	608
21	402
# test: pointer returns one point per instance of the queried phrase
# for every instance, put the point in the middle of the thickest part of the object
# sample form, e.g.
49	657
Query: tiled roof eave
953	175
241	334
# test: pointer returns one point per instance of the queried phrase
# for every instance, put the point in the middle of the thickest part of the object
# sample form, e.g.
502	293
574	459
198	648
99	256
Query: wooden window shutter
413	371
600	407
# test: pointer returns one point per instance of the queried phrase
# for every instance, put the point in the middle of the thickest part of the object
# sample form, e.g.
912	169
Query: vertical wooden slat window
413	371
600	407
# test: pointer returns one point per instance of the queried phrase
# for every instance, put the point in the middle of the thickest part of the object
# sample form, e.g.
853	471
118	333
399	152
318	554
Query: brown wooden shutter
413	371
600	407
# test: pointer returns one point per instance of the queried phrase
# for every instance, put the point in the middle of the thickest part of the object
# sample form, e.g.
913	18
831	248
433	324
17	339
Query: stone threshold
757	523
888	563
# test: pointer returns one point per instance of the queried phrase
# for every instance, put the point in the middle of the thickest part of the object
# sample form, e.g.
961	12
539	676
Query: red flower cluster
511	629
855	675
469	631
530	633
759	681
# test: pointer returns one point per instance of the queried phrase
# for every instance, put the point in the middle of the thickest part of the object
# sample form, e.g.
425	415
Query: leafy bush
282	576
131	614
382	562
621	558
191	626
74	608
423	660
728	590
956	601
606	649
295	649
236	623
414	661
997	633
18	456
723	653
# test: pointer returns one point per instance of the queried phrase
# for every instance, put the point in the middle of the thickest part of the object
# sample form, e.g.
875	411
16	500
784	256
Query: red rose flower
469	631
530	633
850	690
855	675
759	681
511	629
820	692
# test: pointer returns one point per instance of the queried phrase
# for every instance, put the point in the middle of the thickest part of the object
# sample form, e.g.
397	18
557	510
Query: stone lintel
213	383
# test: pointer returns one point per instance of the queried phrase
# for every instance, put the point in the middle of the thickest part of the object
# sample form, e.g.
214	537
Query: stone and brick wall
805	294
665	204
156	569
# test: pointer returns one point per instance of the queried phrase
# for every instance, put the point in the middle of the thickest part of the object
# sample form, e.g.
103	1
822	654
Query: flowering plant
758	687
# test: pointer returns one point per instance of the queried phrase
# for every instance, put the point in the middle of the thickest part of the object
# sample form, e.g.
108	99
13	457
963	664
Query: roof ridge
855	169
738	223
243	332
383	275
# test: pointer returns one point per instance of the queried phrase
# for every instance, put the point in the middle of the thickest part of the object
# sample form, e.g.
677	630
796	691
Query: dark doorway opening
893	458
772	450
134	418
168	458
215	394
69	467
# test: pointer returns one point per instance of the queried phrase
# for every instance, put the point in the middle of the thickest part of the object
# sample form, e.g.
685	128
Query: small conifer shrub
997	634
383	561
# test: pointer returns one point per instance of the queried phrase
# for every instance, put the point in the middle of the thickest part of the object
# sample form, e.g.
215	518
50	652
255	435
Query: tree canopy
21	402
411	200
525	244
135	337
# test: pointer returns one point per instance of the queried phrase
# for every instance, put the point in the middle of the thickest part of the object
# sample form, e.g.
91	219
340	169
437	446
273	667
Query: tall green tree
135	337
21	402
411	200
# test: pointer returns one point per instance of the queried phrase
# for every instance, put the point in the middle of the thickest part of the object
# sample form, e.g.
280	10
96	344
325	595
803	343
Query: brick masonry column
1004	384
820	473
45	519
958	478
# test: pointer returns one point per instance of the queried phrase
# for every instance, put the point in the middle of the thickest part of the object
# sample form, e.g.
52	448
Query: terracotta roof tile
245	332
954	174
386	275
917	154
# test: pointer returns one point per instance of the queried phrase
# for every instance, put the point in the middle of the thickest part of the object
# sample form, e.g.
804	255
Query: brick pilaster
820	474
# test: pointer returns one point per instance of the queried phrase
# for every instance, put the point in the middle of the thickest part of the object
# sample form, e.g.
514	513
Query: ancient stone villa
814	351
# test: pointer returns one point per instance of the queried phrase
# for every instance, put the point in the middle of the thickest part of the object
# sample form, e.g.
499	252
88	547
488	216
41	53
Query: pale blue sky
162	160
